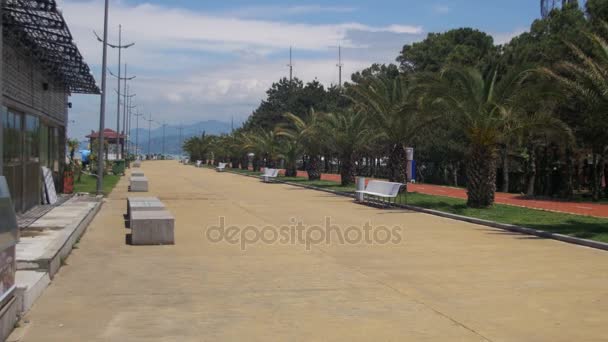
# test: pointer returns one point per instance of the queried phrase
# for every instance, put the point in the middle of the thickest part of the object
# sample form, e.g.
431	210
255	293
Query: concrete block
8	318
30	285
139	184
137	174
143	204
152	228
137	163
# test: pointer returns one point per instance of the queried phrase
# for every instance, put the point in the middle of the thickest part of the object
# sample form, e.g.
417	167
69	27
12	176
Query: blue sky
199	60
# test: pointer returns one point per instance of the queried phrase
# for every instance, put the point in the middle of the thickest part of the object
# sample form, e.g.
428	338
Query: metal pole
118	97
137	133
102	106
164	125
124	113
149	133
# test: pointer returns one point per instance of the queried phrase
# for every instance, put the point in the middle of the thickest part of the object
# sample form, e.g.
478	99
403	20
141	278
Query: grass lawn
585	227
89	184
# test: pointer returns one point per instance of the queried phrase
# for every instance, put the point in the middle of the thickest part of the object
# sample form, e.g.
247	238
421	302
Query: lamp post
137	132
149	132
102	105
119	47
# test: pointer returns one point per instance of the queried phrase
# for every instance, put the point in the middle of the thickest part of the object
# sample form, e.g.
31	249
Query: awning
41	29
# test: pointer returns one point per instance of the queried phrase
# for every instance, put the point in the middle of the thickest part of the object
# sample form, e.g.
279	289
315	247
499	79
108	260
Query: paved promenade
444	281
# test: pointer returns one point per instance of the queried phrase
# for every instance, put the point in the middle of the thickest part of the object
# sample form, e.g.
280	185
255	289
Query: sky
197	60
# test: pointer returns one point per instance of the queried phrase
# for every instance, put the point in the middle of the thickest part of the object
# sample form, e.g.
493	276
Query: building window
11	124
32	138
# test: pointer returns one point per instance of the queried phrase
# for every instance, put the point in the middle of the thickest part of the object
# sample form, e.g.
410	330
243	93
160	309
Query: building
41	67
112	140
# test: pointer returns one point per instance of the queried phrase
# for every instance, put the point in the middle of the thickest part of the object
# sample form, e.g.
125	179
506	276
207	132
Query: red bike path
578	208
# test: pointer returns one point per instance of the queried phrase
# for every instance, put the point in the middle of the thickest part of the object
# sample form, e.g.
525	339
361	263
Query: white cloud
281	11
194	66
155	27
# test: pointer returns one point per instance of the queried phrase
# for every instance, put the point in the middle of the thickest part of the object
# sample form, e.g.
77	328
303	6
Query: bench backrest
270	172
382	187
222	165
198	162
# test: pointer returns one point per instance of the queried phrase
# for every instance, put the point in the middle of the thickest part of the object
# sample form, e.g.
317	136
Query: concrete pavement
445	281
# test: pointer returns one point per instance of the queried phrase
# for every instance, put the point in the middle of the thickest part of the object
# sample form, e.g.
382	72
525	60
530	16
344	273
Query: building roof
39	26
107	133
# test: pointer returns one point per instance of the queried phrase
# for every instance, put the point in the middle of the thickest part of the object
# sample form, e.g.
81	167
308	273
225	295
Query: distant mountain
172	135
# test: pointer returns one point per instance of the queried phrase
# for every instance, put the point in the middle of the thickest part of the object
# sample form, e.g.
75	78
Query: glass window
11	138
32	138
44	145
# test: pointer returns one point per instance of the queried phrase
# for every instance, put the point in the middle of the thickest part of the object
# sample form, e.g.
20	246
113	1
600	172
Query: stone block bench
137	163
137	174
152	227
139	184
143	204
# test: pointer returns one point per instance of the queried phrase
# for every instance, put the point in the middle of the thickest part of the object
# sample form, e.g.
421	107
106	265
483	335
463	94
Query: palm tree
587	81
305	132
348	134
389	102
264	144
490	114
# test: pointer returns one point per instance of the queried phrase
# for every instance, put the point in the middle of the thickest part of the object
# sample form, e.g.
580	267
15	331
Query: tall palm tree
390	104
264	144
489	113
305	132
348	134
587	80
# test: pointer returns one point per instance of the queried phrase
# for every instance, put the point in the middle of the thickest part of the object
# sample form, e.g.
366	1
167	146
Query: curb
487	223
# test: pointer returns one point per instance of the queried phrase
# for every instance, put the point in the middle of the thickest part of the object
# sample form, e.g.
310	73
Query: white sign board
49	185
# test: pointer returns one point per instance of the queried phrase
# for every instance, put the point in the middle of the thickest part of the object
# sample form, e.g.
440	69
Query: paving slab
51	237
445	280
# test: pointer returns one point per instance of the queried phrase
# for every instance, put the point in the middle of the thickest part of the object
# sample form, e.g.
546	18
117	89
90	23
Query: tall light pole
137	132
119	47
164	125
149	133
102	105
124	102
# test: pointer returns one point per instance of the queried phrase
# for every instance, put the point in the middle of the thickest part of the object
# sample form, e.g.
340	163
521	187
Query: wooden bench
269	175
386	191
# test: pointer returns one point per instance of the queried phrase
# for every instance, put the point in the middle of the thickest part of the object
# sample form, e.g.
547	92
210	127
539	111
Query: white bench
269	174
199	163
381	189
221	167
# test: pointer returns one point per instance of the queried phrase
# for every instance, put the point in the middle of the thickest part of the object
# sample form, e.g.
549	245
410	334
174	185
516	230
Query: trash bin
118	167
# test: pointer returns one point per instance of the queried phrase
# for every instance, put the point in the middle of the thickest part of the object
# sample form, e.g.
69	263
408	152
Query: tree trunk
397	164
505	169
245	162
481	177
313	168
596	181
531	172
568	175
606	180
291	170
256	164
455	173
347	171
